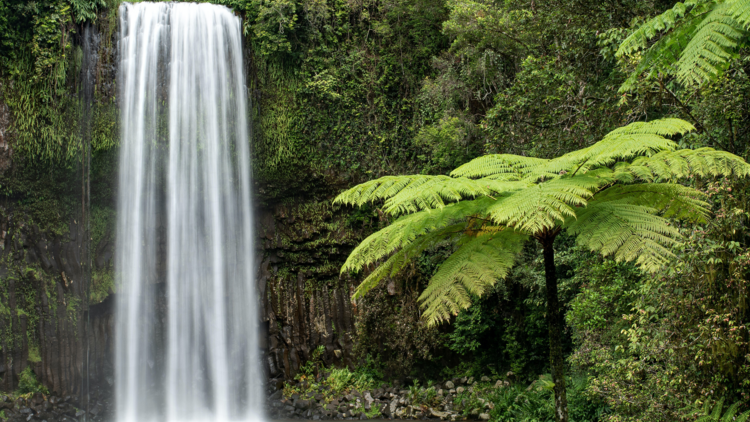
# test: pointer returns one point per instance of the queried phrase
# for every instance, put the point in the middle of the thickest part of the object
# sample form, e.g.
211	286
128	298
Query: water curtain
186	339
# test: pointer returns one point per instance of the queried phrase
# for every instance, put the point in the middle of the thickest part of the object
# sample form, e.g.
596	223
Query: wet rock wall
42	311
306	303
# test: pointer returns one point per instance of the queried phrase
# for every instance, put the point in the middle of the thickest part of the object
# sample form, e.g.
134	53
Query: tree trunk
556	327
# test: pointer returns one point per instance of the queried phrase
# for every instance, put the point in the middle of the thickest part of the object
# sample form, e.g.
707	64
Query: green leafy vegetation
349	91
28	383
615	197
314	378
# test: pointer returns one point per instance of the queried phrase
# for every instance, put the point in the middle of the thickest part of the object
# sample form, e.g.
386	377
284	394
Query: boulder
392	407
438	414
485	379
449	385
302	404
275	396
460	390
368	400
484	416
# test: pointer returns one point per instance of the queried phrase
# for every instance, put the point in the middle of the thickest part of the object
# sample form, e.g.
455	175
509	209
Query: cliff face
43	310
43	293
306	304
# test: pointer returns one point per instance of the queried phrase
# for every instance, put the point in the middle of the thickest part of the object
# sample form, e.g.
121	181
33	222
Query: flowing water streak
184	216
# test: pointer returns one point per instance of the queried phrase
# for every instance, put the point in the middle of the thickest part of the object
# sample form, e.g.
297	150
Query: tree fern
696	41
617	197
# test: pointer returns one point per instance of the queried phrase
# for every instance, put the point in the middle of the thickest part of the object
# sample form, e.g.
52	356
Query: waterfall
186	346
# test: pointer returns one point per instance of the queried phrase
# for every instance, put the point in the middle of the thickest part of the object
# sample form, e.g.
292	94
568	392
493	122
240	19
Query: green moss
102	282
73	306
34	356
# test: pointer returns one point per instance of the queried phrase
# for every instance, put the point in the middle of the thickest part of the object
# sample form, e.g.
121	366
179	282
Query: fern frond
744	417
439	191
664	54
698	41
634	140
663	127
477	264
677	165
625	231
729	414
673	201
710	46
514	167
380	189
717	409
402	257
407	229
740	11
540	207
639	39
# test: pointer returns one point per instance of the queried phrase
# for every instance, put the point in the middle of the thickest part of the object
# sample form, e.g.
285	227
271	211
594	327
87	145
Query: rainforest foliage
347	91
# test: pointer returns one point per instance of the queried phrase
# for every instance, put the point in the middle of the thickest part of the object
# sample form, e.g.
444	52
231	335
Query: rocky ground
454	400
50	408
457	399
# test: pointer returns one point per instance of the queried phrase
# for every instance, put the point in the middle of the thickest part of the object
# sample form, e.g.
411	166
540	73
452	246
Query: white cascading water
187	350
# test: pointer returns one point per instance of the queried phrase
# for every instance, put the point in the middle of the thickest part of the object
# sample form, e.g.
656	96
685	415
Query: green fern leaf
407	229
477	264
401	258
710	46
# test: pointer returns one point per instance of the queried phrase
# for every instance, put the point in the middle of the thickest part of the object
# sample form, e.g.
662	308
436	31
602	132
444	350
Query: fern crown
616	197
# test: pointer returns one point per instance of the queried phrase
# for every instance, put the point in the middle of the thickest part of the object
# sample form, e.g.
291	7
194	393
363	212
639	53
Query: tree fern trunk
556	327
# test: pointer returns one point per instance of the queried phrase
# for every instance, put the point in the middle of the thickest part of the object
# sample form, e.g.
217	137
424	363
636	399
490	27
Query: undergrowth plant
28	383
315	378
715	415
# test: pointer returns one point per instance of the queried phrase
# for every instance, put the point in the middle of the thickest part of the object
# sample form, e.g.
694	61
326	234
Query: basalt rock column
184	217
